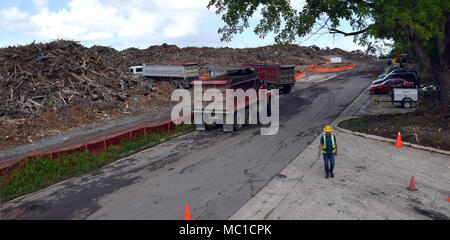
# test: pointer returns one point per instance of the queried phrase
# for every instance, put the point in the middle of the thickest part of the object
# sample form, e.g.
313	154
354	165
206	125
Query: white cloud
40	4
91	20
13	19
137	23
184	25
182	4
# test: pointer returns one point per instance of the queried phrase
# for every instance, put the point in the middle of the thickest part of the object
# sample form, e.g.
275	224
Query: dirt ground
52	122
370	182
415	127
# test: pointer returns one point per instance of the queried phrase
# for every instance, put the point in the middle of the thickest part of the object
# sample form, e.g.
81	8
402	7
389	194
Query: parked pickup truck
243	78
178	74
275	76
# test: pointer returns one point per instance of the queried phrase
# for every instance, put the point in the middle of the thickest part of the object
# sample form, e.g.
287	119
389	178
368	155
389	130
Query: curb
383	139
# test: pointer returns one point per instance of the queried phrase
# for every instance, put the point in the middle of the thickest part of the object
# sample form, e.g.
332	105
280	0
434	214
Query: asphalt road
215	173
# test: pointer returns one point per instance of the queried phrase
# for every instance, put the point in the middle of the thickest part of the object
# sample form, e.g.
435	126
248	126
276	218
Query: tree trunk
444	65
444	87
440	67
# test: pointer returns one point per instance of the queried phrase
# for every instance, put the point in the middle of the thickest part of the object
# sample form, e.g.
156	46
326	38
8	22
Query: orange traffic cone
187	215
412	185
398	143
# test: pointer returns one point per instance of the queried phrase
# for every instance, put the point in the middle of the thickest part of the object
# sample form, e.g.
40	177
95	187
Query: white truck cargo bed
184	71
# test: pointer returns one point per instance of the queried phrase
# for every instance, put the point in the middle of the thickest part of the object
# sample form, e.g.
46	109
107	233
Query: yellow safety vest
324	149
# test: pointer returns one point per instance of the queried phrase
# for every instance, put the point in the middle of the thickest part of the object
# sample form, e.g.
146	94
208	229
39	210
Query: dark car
406	69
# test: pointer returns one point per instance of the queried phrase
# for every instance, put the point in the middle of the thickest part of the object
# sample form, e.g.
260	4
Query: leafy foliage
384	19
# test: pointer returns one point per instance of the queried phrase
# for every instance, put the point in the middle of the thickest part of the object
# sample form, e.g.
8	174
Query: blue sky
133	23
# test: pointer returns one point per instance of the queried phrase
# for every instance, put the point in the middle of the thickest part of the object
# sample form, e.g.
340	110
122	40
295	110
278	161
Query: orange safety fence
204	76
330	70
102	143
299	75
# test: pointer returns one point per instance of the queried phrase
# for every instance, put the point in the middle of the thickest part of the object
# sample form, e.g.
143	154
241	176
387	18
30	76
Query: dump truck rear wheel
236	125
185	84
272	86
180	84
247	116
287	89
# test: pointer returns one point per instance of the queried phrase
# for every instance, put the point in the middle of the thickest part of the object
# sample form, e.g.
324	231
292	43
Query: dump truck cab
135	70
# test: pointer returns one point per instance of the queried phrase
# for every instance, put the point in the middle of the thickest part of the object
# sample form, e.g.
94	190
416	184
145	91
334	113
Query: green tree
425	24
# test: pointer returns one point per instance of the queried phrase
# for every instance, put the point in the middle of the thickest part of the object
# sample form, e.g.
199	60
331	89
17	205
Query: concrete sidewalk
370	183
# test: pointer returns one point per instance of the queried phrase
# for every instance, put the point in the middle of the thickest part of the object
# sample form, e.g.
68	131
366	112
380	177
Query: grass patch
32	175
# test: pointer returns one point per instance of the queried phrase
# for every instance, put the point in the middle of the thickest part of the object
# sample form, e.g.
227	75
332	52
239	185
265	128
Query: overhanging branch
334	30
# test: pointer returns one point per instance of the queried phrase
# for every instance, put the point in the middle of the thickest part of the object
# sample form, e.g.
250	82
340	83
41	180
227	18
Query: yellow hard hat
328	128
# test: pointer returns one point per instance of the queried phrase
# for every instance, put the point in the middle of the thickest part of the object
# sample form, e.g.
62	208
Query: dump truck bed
275	75
172	70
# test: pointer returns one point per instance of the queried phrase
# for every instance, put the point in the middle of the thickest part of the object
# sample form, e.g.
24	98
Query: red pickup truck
379	87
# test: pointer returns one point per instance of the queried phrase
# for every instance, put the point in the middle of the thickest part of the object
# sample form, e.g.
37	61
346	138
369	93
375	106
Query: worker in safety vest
328	147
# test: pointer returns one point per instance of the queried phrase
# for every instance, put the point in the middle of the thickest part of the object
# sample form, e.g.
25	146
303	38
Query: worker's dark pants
328	158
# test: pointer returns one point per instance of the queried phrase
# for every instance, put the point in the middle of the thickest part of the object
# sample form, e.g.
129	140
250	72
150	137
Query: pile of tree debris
284	54
60	74
47	89
37	77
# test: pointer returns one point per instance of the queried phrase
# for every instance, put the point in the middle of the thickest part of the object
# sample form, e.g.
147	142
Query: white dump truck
178	74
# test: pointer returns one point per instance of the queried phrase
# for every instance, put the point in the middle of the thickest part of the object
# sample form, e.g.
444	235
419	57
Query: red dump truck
244	78
178	74
275	76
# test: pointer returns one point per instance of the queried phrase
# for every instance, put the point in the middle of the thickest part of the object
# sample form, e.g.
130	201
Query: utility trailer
244	78
275	76
178	74
406	96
